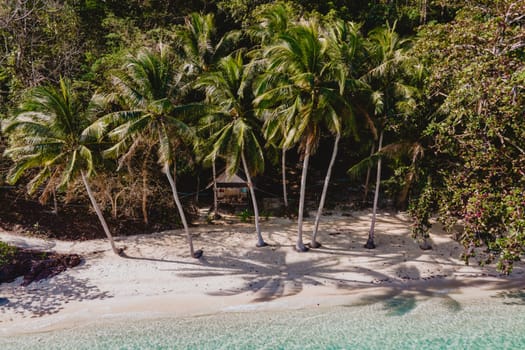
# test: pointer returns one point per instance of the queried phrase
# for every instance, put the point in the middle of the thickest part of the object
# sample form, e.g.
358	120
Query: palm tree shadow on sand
402	297
267	280
49	298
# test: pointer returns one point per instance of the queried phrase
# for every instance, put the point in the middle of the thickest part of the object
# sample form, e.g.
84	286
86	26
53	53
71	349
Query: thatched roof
226	180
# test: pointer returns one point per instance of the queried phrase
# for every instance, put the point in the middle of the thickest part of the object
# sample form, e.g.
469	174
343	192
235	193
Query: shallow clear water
401	322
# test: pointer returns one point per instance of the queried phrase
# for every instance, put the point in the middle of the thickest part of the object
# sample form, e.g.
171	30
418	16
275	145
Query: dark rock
35	266
71	260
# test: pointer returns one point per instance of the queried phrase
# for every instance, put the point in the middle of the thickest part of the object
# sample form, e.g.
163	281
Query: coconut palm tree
229	93
148	88
345	45
274	131
202	49
273	21
308	81
47	134
390	92
201	45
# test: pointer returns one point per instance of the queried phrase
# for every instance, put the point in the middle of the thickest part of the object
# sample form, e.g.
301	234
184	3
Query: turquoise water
401	322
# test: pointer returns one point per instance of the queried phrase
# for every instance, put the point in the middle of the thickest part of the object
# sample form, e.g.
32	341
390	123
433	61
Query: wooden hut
231	189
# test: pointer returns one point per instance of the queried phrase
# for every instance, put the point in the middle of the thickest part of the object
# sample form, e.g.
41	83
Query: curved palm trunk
99	214
55	202
367	180
283	167
370	242
260	240
314	243
299	245
215	202
194	254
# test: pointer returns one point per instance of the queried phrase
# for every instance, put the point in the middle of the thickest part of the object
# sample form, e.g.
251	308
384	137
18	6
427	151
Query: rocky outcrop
35	266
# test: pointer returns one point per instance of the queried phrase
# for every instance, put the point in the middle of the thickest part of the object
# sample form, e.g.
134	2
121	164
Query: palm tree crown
148	89
229	92
48	134
304	82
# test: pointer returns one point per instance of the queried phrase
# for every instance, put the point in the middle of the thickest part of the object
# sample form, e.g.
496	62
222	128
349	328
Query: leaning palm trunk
194	254
215	202
314	243
55	202
299	245
99	214
260	241
367	180
370	242
283	166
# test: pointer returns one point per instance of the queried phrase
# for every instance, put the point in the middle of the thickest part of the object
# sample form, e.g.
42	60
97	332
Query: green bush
245	215
6	253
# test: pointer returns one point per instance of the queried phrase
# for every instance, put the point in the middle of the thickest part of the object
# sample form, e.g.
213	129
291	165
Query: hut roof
226	180
230	179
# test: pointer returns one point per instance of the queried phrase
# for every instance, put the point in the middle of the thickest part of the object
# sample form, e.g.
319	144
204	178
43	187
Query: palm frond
69	170
361	167
87	156
38	180
22	164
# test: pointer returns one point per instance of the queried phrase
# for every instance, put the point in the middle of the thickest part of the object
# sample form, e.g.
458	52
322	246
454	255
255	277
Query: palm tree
201	45
272	22
274	133
345	43
202	49
389	60
147	87
228	91
307	80
47	134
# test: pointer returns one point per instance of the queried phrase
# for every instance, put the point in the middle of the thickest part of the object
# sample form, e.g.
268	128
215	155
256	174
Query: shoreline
158	280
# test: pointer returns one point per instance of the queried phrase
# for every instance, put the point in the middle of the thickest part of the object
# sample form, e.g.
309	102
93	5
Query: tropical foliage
429	93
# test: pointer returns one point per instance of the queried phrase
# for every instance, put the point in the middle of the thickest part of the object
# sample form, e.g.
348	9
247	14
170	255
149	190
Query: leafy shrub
6	253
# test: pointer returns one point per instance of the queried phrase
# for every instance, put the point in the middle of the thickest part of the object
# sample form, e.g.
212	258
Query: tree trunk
114	209
260	240
145	199
283	167
370	242
55	202
194	254
367	181
314	243
198	190
423	12
215	202
99	214
299	245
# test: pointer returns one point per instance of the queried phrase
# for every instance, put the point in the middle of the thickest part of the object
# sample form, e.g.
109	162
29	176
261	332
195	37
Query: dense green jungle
117	116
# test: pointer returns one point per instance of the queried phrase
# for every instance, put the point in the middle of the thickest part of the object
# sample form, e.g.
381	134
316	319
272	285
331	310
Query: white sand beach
159	279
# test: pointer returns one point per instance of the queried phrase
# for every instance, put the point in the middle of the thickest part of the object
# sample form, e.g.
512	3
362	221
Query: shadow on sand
49	298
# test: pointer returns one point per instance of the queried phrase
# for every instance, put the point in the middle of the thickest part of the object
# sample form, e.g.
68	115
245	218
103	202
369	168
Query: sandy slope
158	279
